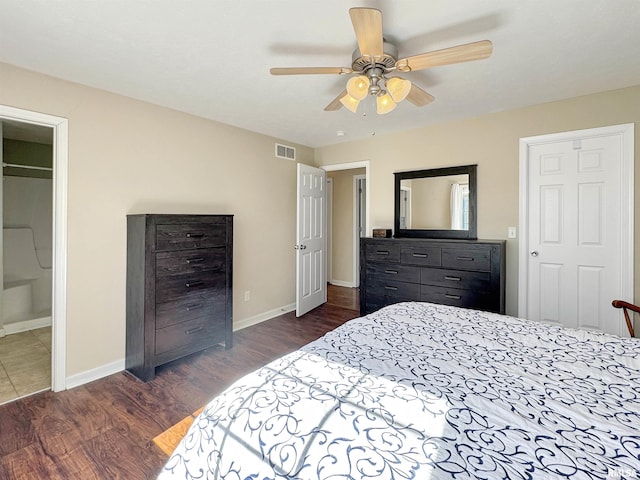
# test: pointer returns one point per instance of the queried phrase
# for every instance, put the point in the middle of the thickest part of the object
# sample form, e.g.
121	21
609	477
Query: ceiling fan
376	59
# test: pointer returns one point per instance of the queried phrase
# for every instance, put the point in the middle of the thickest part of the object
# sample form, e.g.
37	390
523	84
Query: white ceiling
212	58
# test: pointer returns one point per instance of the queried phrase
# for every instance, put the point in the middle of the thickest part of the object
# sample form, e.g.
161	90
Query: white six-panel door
311	277
576	249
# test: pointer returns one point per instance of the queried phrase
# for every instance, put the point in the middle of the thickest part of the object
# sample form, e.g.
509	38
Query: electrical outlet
247	296
511	232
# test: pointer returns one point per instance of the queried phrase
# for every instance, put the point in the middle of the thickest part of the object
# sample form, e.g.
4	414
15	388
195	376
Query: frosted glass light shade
398	88
384	104
358	87
349	102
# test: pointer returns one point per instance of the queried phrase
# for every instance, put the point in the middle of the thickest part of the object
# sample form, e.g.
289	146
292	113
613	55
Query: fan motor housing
386	62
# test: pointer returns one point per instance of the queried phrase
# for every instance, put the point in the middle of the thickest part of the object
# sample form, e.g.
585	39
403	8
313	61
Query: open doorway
34	249
347	221
27	253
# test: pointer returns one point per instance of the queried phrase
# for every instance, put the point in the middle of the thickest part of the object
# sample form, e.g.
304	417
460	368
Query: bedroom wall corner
492	142
127	156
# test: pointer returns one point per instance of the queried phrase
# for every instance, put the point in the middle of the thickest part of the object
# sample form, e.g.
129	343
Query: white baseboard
119	365
247	322
26	325
95	374
341	283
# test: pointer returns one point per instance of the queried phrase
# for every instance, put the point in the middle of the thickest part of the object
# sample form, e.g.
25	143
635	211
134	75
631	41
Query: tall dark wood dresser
464	273
179	288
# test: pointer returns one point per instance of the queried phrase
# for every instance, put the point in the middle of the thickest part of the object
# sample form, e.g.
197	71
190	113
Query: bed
425	391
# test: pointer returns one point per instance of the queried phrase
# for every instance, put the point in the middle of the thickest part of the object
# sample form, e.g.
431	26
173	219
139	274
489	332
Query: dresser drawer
467	259
427	256
178	286
456	297
461	279
465	273
391	290
382	252
211	302
399	273
189	261
195	334
184	236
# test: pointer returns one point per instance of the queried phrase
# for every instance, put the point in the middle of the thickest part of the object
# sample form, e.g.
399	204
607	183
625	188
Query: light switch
511	232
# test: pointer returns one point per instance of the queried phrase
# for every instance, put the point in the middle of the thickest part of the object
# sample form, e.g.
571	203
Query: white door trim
627	202
356	233
350	166
60	172
329	251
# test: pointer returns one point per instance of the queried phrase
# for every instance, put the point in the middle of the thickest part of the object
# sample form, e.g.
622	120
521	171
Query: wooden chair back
626	306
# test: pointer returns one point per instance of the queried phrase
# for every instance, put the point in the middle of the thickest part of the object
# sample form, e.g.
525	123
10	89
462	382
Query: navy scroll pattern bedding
426	391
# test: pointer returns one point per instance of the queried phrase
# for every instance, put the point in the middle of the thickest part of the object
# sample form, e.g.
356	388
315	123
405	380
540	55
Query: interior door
311	275
575	243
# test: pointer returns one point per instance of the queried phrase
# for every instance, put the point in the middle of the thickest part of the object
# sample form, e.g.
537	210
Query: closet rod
30	167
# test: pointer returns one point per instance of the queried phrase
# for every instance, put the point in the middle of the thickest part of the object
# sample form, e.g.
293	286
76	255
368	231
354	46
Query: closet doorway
33	260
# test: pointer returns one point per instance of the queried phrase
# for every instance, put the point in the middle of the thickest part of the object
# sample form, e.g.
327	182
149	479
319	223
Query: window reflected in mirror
440	203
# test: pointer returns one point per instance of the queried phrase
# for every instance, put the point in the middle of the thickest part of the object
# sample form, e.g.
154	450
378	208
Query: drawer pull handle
420	255
454	279
196	283
195	235
465	259
390	288
195	260
392	272
194	306
193	330
454	297
382	252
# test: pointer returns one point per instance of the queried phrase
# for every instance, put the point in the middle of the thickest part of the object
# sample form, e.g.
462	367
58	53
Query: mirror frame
470	234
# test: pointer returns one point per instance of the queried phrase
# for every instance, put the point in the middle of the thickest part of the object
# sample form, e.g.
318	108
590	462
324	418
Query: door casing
351	166
60	128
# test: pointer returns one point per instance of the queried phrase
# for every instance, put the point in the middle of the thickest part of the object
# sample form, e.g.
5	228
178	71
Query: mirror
436	203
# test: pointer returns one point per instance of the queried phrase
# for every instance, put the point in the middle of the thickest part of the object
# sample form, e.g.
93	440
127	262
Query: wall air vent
283	151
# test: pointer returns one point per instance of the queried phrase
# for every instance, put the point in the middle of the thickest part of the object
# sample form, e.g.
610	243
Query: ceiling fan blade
367	23
310	71
335	103
446	56
419	97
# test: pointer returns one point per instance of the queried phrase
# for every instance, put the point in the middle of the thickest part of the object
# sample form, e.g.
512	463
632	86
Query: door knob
534	253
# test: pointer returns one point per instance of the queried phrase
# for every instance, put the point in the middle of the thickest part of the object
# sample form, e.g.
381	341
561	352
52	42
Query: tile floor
25	363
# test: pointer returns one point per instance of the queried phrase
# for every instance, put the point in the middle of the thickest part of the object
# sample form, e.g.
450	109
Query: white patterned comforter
426	391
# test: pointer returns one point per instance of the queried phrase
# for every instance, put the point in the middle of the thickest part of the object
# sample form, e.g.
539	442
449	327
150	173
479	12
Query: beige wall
127	156
342	225
492	142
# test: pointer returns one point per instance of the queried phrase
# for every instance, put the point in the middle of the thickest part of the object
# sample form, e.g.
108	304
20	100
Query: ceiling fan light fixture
398	88
384	104
350	103
358	87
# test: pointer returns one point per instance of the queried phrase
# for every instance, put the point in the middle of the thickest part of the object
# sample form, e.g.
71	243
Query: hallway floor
25	363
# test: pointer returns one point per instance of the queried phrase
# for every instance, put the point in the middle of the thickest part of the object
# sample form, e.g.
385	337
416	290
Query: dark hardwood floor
104	429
